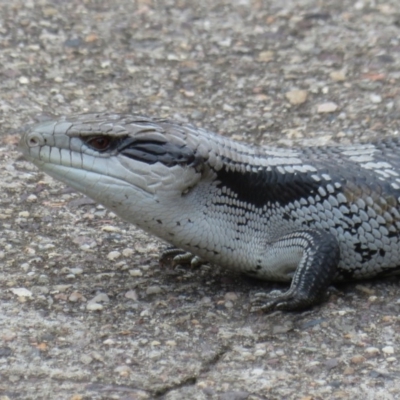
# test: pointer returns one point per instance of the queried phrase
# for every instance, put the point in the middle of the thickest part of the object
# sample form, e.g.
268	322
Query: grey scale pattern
248	208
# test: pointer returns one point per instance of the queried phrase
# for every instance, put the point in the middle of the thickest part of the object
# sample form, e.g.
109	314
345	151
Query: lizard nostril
34	140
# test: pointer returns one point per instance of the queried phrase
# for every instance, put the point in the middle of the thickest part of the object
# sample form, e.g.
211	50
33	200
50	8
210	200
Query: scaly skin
307	215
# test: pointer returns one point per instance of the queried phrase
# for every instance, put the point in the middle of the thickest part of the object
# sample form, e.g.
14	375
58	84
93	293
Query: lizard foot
174	257
281	300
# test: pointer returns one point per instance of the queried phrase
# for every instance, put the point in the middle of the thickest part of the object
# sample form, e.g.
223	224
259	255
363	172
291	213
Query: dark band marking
268	187
146	151
151	152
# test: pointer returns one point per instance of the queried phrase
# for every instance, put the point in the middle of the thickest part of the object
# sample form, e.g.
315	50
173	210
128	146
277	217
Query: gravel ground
86	311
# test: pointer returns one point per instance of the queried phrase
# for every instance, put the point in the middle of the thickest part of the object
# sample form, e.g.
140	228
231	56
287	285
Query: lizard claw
280	300
180	257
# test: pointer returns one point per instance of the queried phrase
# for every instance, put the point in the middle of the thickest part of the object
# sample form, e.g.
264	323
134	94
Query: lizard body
309	215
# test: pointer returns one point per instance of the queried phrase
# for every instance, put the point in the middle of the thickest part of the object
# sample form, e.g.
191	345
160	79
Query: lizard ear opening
152	151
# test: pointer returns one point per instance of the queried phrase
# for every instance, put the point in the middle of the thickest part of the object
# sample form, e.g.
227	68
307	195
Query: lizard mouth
86	172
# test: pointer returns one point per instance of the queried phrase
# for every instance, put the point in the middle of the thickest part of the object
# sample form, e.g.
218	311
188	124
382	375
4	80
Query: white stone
94	307
21	292
388	350
113	255
325	108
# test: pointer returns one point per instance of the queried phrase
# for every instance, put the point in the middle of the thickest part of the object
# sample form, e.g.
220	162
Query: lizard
308	216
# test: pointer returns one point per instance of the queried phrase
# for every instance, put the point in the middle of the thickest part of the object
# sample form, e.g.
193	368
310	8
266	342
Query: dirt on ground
86	310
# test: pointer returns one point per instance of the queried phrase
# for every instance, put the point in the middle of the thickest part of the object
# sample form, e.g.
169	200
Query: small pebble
85	359
228	304
76	271
372	351
94	307
110	228
266	56
358	359
113	255
153	290
100	298
123	370
375	98
30	251
196	114
257	371
76	296
31	198
359	5
231	296
348	371
331	363
297	97
145	313
325	108
135	272
131	294
23	80
228	108
43	278
127	252
388	350
121	265
21	292
97	356
25	267
206	300
365	289
338	76
189	93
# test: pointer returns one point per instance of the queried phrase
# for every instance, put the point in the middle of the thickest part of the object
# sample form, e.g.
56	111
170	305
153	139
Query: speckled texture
104	320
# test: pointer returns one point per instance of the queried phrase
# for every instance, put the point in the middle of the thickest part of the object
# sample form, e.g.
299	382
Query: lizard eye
99	143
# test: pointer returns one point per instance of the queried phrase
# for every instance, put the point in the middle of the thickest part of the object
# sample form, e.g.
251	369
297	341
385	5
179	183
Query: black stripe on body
273	189
268	187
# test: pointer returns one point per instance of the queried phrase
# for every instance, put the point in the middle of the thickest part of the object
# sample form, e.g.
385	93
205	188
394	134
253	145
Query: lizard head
125	163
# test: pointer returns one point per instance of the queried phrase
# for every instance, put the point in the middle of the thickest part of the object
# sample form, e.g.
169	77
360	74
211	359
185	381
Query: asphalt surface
86	311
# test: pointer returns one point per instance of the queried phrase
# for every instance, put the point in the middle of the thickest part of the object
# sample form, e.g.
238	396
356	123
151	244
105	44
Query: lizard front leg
319	258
